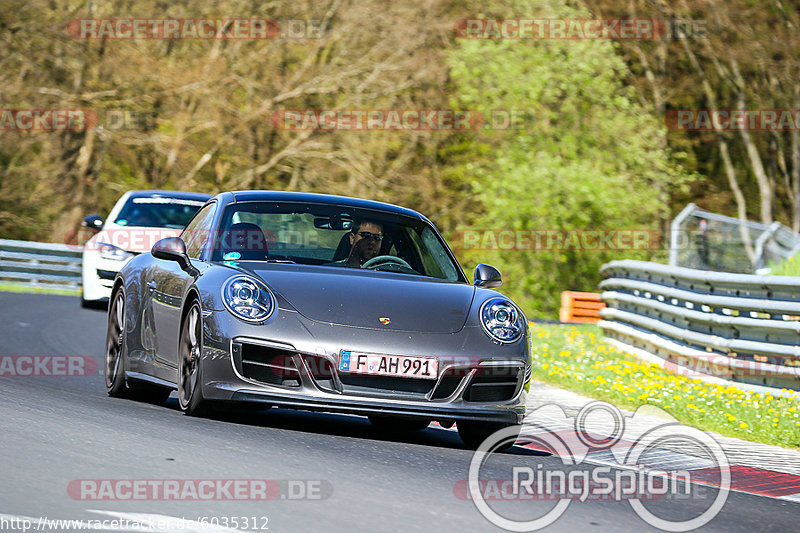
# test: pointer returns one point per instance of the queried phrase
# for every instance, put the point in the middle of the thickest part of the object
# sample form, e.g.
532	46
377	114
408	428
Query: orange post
580	307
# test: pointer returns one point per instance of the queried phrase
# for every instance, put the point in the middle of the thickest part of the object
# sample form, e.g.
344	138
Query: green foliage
586	156
198	113
788	267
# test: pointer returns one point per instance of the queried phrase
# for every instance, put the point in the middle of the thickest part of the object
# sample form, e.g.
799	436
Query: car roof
171	194
288	196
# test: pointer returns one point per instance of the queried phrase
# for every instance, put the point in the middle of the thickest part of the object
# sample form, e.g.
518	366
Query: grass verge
11	287
576	358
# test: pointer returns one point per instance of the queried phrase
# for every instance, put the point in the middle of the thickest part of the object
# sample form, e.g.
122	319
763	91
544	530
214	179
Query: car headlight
247	300
109	251
501	320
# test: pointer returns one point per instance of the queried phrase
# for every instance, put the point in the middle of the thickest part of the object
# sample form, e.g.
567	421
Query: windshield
158	212
332	236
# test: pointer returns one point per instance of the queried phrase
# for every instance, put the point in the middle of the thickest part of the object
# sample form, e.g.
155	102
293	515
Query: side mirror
487	276
93	222
174	249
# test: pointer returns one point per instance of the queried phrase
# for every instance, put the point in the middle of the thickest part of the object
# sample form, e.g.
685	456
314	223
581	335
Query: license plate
401	366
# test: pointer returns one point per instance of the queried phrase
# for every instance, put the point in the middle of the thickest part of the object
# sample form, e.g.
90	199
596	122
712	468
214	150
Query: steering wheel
385	260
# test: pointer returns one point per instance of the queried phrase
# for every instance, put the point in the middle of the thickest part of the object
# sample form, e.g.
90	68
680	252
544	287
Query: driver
365	241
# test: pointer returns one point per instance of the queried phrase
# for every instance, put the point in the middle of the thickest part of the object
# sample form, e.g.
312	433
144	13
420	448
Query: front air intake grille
494	384
450	381
266	364
322	370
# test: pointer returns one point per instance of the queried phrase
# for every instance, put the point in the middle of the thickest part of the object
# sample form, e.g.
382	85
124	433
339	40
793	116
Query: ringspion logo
633	468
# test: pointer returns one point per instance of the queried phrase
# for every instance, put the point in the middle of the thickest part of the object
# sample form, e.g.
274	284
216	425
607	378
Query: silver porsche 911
318	302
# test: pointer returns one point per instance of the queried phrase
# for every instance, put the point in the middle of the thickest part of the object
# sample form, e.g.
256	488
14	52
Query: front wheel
190	394
474	433
115	339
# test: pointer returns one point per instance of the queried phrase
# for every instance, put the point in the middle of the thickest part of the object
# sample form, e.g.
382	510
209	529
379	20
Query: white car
138	220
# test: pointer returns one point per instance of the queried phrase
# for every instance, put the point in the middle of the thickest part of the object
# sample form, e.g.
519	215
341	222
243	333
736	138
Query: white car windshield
158	212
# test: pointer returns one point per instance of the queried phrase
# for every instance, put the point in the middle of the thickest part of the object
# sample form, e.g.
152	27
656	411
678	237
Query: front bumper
302	373
364	406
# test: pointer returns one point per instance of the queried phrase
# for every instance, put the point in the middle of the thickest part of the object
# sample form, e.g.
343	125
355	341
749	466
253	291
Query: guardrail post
675	233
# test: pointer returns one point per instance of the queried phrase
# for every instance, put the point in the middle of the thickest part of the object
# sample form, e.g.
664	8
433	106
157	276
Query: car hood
365	299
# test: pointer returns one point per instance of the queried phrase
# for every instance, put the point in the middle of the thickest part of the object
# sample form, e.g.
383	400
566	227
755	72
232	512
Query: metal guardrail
710	325
40	264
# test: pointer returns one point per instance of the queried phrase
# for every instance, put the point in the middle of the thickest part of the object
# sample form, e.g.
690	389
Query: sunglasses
368	235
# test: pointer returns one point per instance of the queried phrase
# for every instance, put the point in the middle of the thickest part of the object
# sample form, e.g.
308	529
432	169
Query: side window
198	231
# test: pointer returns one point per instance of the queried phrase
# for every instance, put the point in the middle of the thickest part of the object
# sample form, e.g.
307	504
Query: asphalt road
55	430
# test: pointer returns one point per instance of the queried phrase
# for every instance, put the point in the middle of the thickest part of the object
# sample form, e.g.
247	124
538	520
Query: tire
474	433
190	368
397	423
117	384
115	342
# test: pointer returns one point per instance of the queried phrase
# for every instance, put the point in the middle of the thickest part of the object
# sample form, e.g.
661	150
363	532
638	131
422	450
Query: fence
40	264
738	327
705	240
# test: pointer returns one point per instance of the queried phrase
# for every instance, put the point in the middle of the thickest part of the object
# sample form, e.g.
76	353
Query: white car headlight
501	320
247	299
109	251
